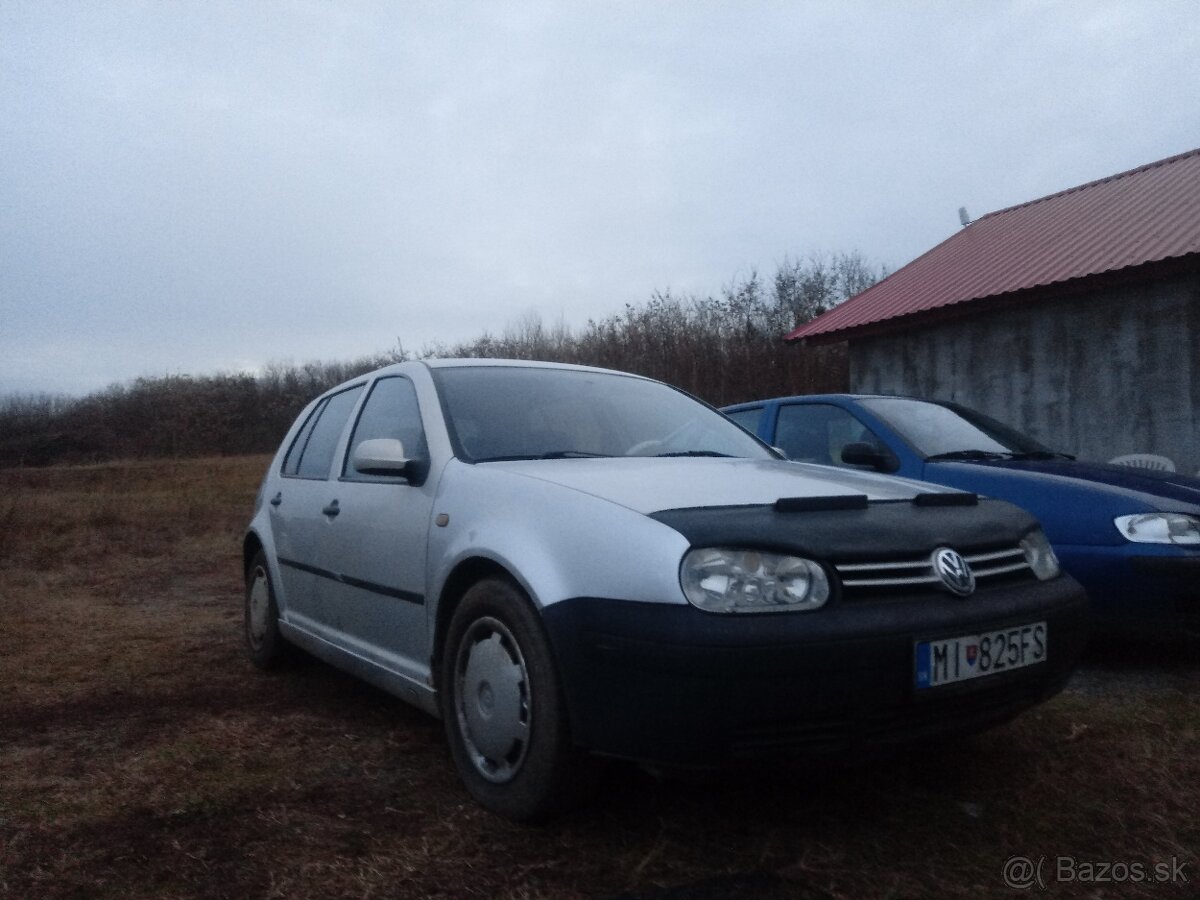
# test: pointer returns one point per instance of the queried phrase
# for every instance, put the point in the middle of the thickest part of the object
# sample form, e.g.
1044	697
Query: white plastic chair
1144	461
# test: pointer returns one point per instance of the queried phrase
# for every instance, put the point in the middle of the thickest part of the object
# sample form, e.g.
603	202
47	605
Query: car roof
409	366
469	362
819	397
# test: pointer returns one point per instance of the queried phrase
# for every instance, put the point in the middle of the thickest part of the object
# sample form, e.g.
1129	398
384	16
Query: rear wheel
265	646
503	708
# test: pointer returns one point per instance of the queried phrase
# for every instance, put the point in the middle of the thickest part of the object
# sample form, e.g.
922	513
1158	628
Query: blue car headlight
1160	528
724	580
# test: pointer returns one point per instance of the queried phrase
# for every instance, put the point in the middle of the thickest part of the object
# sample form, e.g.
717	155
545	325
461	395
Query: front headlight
1160	528
723	580
1040	555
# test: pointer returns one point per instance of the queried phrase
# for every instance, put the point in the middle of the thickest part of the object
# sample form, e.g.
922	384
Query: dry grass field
142	757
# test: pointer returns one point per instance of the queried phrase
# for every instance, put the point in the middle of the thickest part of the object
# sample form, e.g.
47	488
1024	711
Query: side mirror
867	456
382	456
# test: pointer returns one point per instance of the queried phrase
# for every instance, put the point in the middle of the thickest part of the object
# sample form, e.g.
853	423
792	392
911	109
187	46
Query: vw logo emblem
954	571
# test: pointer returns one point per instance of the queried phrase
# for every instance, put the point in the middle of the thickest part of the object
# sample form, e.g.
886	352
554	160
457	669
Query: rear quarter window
291	462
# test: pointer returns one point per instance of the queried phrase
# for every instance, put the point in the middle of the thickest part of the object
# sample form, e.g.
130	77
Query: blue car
1130	536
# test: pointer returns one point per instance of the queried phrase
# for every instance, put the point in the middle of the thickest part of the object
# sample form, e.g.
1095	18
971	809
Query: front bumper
1139	589
670	684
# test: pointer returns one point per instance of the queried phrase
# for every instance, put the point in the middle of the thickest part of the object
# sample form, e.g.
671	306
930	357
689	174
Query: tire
265	646
503	710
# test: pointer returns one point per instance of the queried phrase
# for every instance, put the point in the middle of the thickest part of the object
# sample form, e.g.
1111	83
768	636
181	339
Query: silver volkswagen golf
564	562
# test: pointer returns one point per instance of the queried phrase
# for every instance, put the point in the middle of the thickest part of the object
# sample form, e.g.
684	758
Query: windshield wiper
968	454
694	453
553	454
1042	454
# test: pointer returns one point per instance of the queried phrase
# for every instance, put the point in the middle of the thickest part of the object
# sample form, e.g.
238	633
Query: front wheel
503	708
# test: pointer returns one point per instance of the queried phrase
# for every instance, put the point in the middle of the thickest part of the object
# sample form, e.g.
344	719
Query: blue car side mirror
869	457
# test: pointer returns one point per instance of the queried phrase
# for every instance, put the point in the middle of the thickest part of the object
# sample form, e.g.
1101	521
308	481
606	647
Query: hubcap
492	699
260	608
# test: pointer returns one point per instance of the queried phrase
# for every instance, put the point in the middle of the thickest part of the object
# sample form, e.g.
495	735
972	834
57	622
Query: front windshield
513	412
939	429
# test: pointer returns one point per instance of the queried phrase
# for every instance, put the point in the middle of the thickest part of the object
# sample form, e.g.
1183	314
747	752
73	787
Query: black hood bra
850	530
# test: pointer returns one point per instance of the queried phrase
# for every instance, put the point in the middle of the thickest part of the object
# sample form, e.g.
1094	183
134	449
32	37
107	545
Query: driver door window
391	411
818	432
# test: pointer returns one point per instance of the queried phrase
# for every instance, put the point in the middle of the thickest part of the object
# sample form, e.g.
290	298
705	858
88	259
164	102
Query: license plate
978	655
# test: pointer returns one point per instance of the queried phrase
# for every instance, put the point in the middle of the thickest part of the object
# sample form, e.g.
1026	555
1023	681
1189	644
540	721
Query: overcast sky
206	187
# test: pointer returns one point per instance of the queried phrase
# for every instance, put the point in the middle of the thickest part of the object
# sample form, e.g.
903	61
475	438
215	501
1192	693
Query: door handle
332	509
277	499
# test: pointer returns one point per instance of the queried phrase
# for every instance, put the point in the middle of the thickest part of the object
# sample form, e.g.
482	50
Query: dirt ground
142	756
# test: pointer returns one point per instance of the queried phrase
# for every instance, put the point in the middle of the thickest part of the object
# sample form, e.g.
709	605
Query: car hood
1076	502
650	485
1161	490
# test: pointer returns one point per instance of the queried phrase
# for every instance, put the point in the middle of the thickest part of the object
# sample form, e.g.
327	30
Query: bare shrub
722	348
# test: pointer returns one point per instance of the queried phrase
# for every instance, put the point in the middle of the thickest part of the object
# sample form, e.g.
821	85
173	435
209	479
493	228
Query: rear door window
311	454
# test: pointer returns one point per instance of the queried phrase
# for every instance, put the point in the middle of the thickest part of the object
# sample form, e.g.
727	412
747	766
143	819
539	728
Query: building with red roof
1075	317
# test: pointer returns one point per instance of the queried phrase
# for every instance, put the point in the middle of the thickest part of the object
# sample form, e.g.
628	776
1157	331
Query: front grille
989	566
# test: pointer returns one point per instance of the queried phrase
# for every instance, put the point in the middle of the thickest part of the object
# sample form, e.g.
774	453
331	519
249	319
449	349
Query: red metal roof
1148	214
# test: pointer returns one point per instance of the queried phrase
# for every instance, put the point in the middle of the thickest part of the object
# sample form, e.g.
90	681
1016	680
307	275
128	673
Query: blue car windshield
515	412
948	430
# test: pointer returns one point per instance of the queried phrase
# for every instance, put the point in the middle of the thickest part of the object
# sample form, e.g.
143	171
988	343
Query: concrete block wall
1094	375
